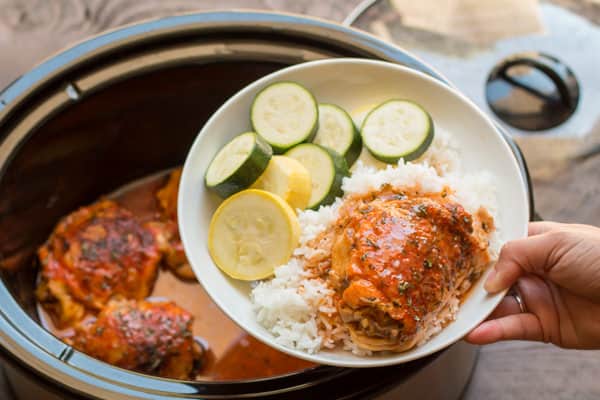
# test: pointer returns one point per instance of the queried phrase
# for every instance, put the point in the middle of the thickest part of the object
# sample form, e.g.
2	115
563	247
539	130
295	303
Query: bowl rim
186	224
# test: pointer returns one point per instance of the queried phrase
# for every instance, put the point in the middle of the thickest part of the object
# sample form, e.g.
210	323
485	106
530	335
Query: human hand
557	273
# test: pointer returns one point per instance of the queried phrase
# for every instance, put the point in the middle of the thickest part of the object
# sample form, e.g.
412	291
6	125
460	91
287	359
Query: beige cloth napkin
476	21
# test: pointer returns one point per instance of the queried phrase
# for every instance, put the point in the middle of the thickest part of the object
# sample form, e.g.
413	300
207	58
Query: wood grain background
31	30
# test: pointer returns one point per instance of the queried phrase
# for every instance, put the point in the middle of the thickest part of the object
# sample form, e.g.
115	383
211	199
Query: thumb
539	227
528	255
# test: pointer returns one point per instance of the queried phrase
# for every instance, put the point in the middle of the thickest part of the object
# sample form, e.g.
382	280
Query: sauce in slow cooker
233	354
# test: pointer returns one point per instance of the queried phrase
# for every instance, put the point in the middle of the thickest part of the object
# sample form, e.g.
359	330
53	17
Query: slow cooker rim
89	48
34	81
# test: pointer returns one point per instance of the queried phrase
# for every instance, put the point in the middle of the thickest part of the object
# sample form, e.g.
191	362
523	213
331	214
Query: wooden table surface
31	30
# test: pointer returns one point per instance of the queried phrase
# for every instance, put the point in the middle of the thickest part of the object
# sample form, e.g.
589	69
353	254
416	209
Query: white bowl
352	84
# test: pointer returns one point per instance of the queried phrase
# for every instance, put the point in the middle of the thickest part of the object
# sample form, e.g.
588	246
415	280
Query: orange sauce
233	354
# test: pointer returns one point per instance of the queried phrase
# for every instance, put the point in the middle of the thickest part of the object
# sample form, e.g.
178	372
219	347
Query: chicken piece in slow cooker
398	260
94	254
175	257
167	195
149	337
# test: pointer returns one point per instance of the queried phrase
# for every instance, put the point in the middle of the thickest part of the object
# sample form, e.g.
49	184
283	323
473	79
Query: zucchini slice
337	131
327	169
284	114
251	233
238	165
288	179
397	129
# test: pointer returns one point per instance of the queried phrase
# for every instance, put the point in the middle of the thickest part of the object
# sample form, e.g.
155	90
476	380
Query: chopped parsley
403	286
421	210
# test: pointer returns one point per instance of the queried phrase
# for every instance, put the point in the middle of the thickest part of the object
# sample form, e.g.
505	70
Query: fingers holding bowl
512	327
508	306
518	257
528	312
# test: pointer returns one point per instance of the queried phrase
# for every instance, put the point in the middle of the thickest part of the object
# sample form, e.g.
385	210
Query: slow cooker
124	105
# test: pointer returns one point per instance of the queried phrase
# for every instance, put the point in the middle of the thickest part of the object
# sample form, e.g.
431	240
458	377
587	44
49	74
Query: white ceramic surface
352	84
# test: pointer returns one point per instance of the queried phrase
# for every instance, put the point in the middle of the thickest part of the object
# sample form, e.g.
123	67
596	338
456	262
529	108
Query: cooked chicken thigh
175	257
149	337
397	260
94	254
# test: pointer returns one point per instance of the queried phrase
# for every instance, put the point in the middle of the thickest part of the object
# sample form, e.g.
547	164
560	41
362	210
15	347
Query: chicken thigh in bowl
398	260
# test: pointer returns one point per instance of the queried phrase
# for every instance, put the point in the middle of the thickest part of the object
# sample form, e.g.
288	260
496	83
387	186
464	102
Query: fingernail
492	283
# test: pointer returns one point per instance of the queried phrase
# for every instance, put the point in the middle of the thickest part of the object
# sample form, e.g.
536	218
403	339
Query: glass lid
530	63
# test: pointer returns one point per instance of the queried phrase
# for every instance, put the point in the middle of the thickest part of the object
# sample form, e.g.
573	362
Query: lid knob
532	91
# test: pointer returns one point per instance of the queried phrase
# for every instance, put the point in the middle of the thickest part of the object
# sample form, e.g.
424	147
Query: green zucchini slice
237	165
327	169
284	114
397	129
337	131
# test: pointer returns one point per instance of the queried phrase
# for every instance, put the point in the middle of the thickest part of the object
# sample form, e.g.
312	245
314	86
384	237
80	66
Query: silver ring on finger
516	294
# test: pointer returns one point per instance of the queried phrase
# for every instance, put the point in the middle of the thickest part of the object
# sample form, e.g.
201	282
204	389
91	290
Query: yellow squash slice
288	179
251	233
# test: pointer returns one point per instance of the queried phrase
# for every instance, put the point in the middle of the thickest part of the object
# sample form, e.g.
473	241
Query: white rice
294	307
